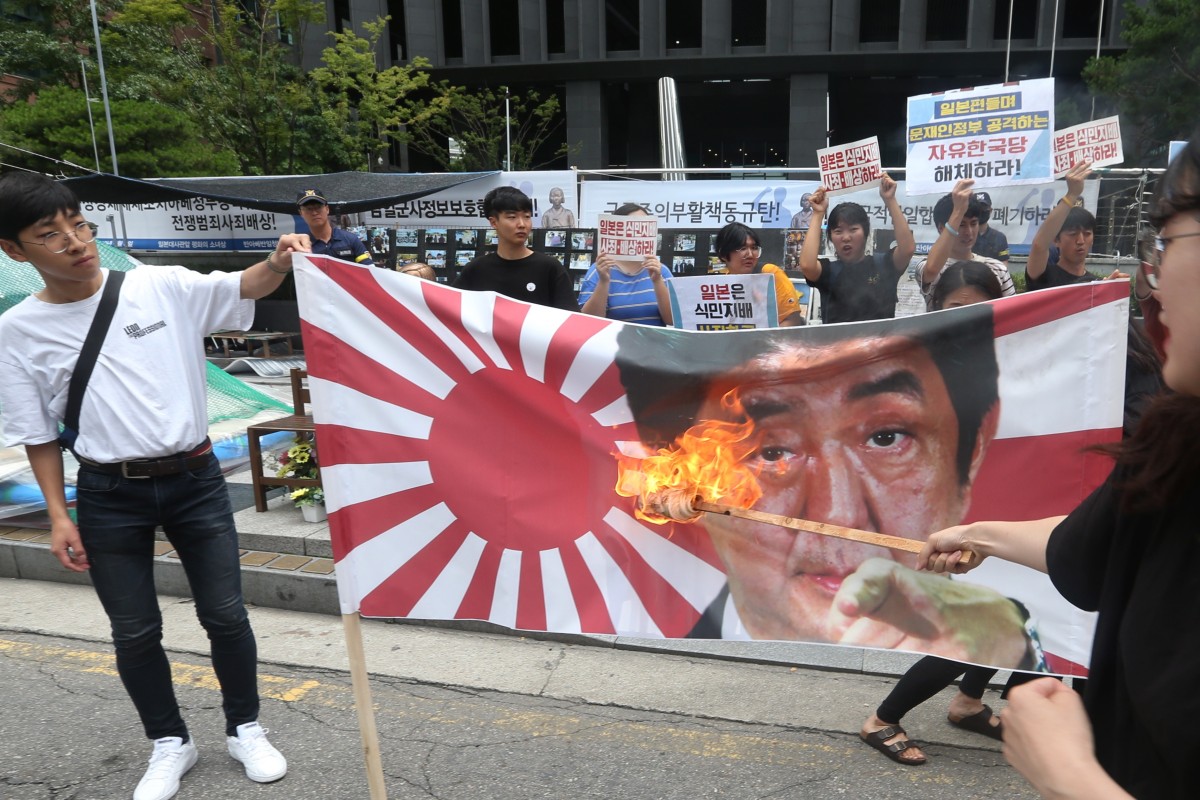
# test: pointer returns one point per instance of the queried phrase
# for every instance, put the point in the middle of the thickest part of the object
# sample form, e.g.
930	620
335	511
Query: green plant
300	461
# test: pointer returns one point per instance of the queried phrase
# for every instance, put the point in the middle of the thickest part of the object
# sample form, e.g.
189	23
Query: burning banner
544	470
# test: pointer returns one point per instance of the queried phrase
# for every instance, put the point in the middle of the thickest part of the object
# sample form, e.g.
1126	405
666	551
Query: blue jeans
117	518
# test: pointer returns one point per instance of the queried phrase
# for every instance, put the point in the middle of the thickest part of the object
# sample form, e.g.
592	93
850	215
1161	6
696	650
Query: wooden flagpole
363	706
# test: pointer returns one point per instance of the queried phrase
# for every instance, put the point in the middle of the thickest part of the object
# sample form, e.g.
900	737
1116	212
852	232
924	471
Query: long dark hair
1161	459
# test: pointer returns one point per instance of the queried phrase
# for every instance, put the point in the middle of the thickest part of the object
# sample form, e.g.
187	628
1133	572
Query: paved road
460	715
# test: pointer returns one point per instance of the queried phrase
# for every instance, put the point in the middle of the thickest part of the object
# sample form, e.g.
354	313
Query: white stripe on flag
508	584
596	355
342	316
536	332
615	413
374	561
1054	360
692	577
401	286
442	599
626	610
561	614
358	483
478	309
345	405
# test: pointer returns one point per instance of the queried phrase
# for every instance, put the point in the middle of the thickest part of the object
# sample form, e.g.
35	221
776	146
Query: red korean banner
469	449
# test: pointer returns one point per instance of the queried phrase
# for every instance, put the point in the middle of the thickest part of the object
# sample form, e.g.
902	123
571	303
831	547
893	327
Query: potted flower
300	461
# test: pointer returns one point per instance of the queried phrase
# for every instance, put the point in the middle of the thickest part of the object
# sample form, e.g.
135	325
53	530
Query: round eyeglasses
749	250
1151	247
59	241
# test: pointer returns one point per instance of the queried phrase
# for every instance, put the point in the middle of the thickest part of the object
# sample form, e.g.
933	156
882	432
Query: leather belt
155	467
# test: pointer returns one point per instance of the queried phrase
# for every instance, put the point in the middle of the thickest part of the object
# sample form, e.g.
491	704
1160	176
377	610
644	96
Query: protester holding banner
627	291
963	283
1071	230
514	270
958	215
880	427
140	436
854	287
739	247
1129	552
991	242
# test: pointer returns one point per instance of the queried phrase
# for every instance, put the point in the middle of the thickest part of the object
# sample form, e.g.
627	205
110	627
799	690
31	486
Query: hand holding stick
822	528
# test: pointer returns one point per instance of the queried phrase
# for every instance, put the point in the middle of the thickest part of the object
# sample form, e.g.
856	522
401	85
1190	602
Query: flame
707	462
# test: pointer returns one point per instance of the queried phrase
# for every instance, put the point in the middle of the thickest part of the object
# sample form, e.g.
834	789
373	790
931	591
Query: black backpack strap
87	357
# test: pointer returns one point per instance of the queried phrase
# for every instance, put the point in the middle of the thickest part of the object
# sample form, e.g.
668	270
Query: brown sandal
981	722
879	738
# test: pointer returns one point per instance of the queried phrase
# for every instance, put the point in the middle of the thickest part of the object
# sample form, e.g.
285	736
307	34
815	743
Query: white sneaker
262	761
171	759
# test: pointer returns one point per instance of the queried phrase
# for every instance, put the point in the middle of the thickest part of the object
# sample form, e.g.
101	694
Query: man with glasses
326	239
854	287
1070	228
144	456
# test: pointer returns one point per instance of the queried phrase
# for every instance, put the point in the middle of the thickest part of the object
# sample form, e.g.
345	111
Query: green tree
367	107
1155	84
152	140
41	41
253	99
475	120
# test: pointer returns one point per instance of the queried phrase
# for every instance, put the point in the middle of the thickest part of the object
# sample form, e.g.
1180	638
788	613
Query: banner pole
364	707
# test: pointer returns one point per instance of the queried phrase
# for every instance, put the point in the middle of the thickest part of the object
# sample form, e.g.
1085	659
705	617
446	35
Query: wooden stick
362	704
822	528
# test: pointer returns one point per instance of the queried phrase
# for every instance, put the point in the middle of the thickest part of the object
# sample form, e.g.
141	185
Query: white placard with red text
628	239
724	302
850	167
1098	142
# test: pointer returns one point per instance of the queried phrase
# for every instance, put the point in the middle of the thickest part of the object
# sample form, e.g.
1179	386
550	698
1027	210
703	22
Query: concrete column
531	21
715	39
651	29
779	24
476	34
981	24
806	119
912	24
591	30
844	25
423	23
571	28
810	26
586	124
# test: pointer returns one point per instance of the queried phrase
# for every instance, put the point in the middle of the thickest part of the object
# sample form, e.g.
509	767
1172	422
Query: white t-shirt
147	394
1007	288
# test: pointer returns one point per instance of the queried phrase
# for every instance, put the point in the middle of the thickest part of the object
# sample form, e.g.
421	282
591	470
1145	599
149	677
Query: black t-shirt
1054	275
537	278
856	292
1139	571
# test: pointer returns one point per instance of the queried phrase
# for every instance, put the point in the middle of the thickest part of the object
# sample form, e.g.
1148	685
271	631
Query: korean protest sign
995	135
628	239
850	167
1098	142
723	302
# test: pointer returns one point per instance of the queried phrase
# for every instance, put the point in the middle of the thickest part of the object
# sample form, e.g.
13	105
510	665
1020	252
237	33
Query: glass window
748	23
505	21
621	28
1024	19
452	28
1081	19
881	23
946	20
684	25
556	27
397	34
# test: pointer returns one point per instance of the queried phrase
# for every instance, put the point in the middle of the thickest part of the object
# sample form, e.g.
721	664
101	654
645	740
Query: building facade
762	83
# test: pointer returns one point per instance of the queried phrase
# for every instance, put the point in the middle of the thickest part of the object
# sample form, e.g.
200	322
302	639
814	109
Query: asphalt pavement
461	715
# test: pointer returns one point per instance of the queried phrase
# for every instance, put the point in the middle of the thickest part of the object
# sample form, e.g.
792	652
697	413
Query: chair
299	422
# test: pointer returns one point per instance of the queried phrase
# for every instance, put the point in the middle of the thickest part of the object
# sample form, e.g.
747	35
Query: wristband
1066	199
953	231
271	265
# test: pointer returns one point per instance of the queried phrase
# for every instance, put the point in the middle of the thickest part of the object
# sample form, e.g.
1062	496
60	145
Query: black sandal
879	738
980	722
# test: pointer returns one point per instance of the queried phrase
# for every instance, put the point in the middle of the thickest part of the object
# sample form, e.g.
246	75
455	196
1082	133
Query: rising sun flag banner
488	459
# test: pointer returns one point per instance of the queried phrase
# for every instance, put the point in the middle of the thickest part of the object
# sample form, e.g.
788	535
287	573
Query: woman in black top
1130	551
